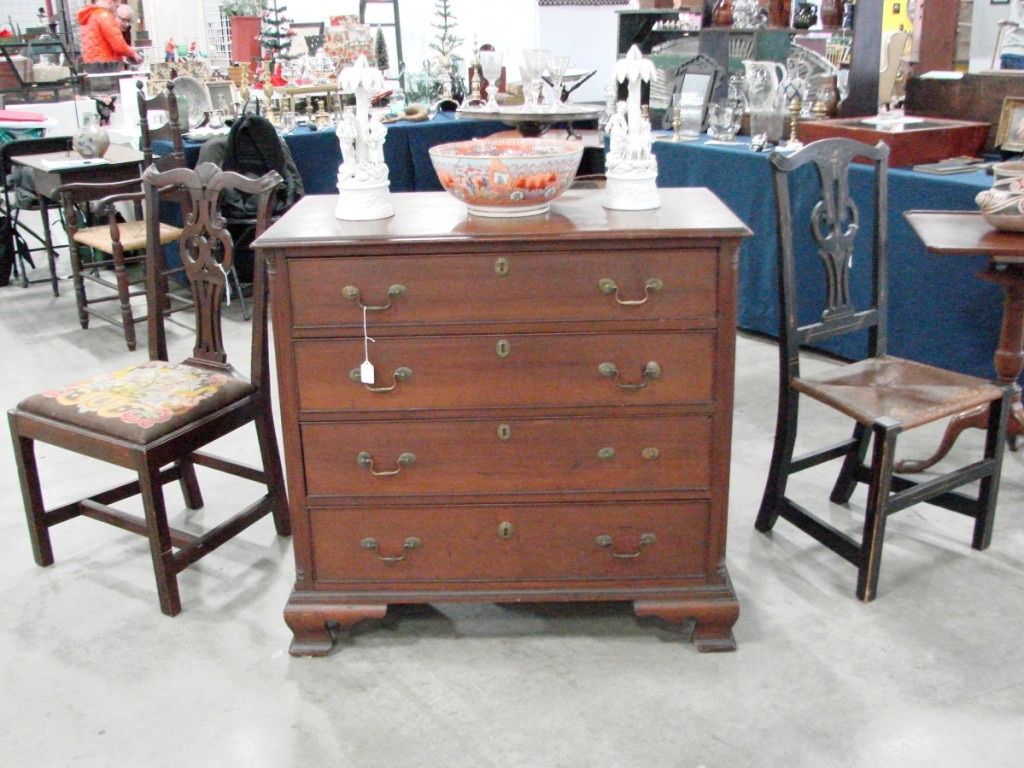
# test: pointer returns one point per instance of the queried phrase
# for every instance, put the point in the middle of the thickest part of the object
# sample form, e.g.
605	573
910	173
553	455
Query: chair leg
159	534
190	484
846	482
267	436
123	295
32	493
988	490
782	456
886	432
79	282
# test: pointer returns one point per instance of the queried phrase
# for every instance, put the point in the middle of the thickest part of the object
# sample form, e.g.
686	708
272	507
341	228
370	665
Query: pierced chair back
167	103
156	417
883	394
19	194
207	254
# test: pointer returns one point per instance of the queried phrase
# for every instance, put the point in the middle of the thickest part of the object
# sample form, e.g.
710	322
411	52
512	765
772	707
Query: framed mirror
697	77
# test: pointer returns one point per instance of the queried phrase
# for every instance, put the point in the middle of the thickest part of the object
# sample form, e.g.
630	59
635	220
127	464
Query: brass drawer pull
366	461
606	541
410	543
351	293
608	287
401	374
651	372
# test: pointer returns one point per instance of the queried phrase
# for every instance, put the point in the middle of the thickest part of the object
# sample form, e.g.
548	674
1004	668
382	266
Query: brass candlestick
322	117
795	105
268	92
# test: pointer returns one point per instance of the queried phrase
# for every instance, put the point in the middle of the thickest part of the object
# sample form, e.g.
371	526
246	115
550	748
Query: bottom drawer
364	547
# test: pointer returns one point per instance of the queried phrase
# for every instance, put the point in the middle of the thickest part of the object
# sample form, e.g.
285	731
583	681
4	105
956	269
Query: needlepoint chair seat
912	393
141	403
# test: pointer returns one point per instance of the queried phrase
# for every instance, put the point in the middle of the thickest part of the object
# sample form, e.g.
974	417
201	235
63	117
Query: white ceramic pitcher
762	84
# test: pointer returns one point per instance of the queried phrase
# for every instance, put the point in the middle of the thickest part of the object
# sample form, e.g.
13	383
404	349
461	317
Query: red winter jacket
101	36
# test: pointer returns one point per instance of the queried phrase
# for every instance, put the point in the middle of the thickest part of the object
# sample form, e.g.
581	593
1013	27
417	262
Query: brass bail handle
651	372
605	540
366	461
351	293
401	374
608	287
370	544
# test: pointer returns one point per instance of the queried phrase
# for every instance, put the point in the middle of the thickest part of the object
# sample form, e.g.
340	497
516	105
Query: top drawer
491	288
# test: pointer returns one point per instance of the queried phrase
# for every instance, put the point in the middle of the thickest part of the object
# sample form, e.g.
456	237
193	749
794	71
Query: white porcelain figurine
631	167
363	183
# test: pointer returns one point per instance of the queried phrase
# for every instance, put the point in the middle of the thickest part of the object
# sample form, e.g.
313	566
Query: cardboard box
911	140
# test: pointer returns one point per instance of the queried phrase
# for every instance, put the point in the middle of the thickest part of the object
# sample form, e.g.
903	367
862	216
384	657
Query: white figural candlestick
363	183
632	169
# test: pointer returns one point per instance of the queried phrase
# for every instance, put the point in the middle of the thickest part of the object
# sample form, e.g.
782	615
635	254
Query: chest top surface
694	213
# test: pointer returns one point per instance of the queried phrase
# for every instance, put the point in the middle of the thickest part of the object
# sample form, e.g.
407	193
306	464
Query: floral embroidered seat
140	403
156	417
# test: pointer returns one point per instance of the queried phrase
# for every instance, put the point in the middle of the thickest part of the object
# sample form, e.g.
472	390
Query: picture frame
698	77
1010	136
222	95
308	37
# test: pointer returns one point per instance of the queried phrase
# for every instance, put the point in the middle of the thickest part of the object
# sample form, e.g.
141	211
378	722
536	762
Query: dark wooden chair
170	130
104	254
154	417
884	395
20	197
104	248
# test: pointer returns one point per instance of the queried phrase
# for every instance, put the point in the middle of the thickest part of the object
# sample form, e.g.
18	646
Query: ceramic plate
198	99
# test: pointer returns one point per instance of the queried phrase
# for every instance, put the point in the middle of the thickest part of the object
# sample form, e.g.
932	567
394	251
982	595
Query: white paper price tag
366	372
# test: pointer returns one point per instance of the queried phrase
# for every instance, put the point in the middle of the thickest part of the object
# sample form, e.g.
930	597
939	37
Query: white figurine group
361	161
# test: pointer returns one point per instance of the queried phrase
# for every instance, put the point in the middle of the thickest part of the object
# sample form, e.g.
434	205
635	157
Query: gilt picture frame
1010	135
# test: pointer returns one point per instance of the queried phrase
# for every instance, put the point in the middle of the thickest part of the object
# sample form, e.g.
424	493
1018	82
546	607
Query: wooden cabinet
550	418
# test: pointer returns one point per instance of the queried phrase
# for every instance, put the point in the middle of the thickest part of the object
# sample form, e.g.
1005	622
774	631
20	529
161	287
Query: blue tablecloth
939	311
318	153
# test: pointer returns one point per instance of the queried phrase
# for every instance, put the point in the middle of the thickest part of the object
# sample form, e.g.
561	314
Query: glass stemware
490	68
534	61
557	65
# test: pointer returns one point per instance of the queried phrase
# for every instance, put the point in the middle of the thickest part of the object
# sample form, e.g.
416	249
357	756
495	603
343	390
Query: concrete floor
930	674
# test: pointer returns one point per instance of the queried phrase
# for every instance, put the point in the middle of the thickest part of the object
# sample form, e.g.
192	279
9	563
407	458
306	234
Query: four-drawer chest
548	416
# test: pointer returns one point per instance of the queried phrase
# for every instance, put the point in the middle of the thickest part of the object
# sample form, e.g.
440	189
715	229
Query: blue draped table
318	153
939	311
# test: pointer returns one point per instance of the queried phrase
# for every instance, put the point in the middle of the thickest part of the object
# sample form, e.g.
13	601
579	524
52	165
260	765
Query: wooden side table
965	233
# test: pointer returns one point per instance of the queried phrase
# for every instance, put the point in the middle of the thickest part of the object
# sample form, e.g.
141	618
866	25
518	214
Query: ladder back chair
104	254
155	417
884	395
19	196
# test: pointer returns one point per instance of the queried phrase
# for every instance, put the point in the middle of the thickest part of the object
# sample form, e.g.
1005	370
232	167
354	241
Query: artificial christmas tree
275	35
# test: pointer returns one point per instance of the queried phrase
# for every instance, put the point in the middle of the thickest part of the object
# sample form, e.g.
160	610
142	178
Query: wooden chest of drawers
550	417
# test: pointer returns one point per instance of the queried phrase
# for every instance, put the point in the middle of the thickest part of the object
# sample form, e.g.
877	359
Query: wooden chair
104	254
16	198
154	417
170	130
884	395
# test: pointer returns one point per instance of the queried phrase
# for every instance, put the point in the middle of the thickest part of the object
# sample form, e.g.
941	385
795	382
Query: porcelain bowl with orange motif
507	177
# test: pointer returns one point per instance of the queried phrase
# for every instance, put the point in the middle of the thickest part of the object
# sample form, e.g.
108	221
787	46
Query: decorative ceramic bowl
507	177
1003	205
